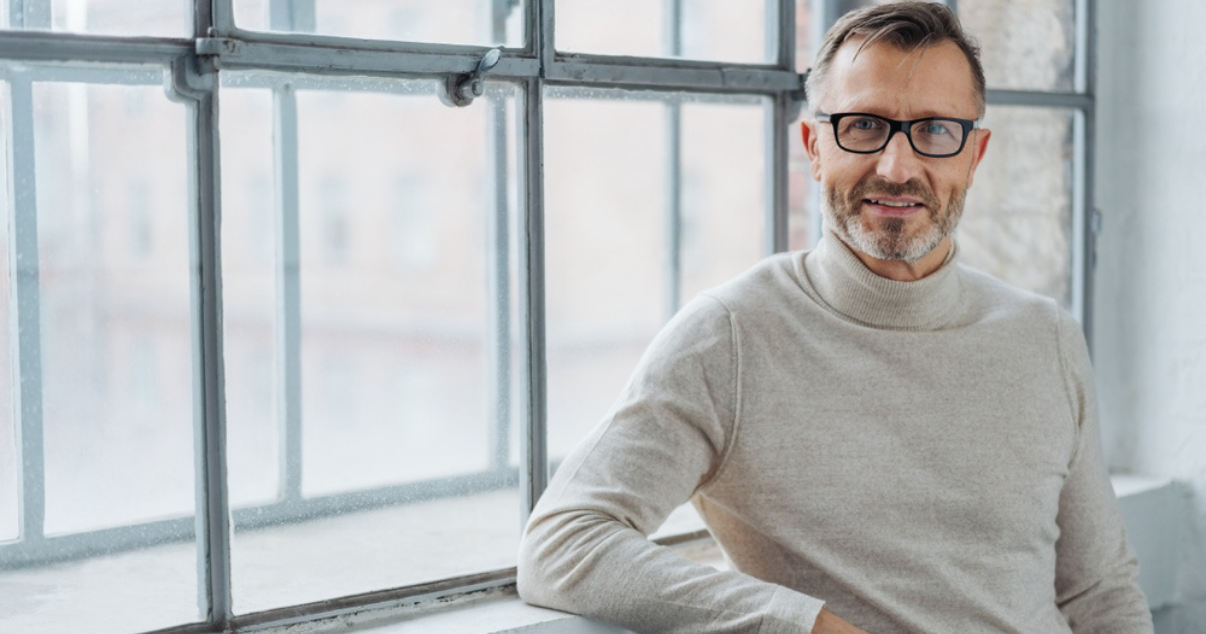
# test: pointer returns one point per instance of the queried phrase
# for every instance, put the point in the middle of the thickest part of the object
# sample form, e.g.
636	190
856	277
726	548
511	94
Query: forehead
882	79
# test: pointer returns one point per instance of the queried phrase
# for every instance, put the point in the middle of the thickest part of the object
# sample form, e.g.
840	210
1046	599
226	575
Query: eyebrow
923	114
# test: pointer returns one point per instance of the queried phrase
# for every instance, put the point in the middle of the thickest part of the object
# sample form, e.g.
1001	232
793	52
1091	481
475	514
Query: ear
808	131
979	147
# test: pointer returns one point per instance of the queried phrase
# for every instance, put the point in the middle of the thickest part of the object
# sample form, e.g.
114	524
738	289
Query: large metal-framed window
294	73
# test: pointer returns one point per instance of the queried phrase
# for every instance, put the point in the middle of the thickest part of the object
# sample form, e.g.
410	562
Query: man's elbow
534	578
557	557
529	579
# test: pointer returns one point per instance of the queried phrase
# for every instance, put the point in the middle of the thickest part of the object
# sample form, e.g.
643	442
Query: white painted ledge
508	616
1150	507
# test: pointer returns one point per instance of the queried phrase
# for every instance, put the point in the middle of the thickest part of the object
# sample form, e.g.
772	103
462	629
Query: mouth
896	207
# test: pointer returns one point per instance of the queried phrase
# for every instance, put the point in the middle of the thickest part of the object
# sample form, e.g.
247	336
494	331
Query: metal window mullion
674	28
825	13
346	56
288	290
222	16
1085	60
999	97
198	89
781	24
542	38
775	238
776	124
25	322
533	448
58	73
1085	153
139	536
70	47
673	265
202	16
600	71
194	79
533	437
1081	240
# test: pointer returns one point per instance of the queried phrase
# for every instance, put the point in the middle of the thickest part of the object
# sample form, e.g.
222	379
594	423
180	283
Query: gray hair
906	25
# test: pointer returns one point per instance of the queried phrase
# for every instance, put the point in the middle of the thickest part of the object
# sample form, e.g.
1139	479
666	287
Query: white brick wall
1151	303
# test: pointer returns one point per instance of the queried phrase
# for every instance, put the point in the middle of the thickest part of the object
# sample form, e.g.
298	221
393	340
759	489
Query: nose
897	161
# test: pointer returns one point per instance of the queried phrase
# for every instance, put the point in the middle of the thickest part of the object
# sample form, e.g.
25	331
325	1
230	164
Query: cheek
845	170
953	184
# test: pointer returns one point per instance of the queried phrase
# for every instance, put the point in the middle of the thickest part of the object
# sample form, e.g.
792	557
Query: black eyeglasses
864	133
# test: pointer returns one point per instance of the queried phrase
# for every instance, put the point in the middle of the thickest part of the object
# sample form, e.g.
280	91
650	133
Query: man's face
895	204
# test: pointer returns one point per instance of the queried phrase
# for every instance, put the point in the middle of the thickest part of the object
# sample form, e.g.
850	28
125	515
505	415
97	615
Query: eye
865	124
935	128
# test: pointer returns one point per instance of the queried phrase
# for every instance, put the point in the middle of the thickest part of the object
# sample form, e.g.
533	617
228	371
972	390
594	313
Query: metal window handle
461	90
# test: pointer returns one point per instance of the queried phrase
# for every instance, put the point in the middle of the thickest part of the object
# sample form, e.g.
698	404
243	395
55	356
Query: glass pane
401	479
1025	45
803	211
803	221
249	290
608	250
116	358
723	192
1017	224
497	22
723	30
113	242
605	257
806	40
108	17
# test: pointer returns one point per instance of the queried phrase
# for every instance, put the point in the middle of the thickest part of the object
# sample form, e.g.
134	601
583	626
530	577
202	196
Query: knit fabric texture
915	456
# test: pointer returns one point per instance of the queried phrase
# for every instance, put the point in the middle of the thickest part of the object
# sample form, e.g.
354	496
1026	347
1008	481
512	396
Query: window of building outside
288	331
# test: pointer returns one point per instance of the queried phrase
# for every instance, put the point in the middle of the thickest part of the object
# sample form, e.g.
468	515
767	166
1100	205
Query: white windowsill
1150	507
506	616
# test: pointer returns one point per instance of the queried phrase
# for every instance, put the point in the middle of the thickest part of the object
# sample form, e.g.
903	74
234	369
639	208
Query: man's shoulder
994	299
775	276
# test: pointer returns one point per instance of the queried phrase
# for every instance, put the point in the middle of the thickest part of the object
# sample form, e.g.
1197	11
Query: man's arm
1096	570
585	548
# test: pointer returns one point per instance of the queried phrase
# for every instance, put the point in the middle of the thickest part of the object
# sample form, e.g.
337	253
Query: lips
893	207
897	200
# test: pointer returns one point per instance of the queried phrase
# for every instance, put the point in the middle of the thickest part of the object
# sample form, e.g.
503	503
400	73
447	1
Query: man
881	439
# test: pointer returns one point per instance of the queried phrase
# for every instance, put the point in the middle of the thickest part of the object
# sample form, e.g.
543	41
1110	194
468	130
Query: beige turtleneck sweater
916	456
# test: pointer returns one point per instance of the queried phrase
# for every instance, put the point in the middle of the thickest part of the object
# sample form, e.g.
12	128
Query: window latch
461	90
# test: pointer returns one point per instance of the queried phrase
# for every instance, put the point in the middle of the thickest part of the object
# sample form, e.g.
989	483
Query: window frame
194	66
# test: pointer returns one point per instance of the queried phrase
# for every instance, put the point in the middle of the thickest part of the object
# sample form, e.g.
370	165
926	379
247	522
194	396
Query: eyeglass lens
865	133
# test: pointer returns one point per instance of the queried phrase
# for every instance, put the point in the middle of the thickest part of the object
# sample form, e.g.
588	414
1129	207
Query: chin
892	240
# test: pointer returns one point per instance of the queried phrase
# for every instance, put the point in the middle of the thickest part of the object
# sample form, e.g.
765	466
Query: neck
902	271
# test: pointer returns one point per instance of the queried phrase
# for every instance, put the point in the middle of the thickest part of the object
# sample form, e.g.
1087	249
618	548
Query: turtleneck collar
847	286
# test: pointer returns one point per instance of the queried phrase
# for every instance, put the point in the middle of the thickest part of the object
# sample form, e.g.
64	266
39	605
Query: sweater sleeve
585	549
1096	570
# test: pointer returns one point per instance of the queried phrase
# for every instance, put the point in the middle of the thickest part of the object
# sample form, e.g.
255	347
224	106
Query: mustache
913	188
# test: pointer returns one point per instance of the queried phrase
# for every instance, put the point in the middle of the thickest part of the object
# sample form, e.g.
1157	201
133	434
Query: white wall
1151	285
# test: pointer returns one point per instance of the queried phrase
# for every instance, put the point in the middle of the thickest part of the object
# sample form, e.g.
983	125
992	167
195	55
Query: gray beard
889	240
